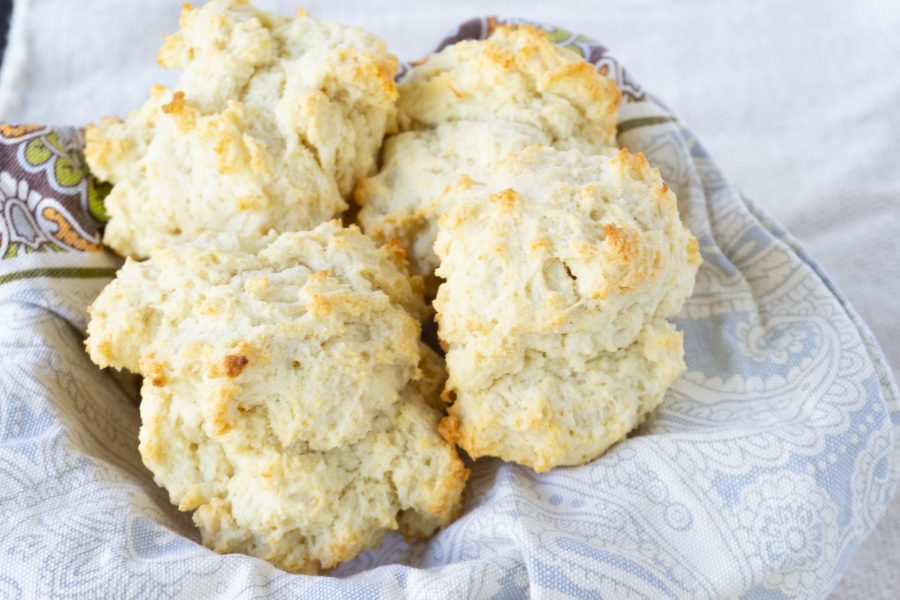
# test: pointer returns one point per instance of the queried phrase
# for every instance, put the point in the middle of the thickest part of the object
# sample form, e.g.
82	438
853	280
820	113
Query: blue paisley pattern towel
769	462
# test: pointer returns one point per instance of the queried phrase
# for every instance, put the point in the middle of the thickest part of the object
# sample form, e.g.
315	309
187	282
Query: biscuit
403	201
271	124
559	274
465	108
515	75
287	399
553	409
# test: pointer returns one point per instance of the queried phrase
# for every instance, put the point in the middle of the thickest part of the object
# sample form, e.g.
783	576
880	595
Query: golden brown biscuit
286	396
516	75
559	275
272	121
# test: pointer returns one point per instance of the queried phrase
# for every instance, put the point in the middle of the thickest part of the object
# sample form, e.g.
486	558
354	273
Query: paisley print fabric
48	202
768	463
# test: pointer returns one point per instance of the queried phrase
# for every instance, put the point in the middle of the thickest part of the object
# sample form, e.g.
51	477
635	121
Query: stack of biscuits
287	397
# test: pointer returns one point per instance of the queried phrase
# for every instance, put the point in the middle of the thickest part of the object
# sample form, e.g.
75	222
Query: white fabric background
798	102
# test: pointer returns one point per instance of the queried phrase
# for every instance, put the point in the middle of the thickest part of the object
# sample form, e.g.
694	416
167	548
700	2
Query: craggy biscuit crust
271	124
287	399
559	274
516	75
